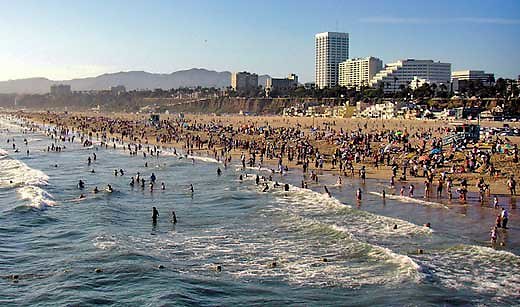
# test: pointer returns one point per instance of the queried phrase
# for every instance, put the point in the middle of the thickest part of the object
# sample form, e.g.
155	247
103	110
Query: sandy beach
324	142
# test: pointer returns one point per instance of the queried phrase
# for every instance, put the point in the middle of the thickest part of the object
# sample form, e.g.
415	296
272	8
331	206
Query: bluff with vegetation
131	103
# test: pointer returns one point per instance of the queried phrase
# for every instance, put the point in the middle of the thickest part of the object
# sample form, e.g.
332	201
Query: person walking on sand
511	183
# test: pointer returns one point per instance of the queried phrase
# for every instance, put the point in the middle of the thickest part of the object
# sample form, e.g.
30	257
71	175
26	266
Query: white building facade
403	73
358	72
331	49
462	78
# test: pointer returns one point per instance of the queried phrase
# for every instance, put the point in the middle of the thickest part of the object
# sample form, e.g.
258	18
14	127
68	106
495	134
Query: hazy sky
71	39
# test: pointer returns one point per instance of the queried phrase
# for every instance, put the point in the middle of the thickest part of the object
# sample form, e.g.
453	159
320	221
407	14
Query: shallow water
297	248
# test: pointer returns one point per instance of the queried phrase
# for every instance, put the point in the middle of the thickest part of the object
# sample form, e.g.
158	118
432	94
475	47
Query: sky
74	39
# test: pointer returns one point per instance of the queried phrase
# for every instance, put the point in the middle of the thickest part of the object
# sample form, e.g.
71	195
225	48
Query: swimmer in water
383	194
96	190
163	187
109	188
266	187
81	196
191	188
155	215
81	184
219	171
286	187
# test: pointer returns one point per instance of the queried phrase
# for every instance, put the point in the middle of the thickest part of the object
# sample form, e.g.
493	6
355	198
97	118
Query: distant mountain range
132	80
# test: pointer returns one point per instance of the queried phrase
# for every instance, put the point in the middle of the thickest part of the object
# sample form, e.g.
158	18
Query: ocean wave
475	268
308	203
36	197
407	199
204	159
14	172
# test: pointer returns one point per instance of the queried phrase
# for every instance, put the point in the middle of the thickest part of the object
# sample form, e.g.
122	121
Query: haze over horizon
62	41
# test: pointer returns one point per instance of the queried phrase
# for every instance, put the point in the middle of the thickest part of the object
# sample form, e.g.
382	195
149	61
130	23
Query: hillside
132	80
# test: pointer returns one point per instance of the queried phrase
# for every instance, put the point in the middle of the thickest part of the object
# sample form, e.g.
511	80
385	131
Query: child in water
494	235
358	194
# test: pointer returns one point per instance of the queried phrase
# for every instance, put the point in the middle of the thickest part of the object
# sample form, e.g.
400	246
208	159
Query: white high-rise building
403	72
331	49
358	72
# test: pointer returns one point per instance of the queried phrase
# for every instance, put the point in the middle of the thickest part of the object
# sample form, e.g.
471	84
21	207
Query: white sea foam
477	268
306	202
15	172
407	199
261	169
106	242
36	197
204	159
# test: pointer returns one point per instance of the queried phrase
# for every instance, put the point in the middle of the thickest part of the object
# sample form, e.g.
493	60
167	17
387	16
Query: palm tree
434	89
402	88
381	89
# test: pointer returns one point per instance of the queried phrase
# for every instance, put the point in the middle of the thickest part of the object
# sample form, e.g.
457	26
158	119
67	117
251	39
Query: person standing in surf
155	215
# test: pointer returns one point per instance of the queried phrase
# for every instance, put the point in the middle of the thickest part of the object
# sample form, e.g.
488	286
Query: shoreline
327	178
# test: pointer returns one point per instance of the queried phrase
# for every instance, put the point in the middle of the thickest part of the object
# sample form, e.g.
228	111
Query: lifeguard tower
462	131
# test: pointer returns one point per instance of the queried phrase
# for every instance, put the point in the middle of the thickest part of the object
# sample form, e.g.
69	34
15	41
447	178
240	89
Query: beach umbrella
399	133
435	151
424	158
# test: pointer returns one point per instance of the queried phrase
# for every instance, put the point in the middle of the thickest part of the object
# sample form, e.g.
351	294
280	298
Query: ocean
233	244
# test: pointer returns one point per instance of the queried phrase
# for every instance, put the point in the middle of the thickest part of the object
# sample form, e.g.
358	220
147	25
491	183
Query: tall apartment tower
331	49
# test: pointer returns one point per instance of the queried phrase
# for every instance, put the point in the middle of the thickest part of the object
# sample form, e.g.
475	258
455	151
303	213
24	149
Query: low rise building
462	79
117	90
385	110
281	86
